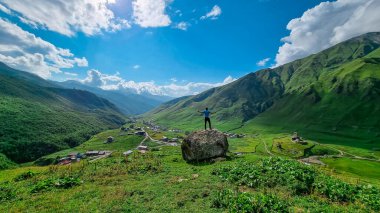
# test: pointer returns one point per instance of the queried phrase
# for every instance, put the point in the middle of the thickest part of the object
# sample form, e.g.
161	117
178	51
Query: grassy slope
331	97
160	182
366	171
37	120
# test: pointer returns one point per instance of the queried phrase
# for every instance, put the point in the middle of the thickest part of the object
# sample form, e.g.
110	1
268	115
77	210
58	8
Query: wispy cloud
263	62
70	73
115	82
136	67
215	12
5	10
182	26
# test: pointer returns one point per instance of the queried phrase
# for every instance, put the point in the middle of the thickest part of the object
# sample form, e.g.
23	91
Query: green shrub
60	183
247	202
7	192
143	163
319	150
371	196
25	176
334	189
270	172
298	179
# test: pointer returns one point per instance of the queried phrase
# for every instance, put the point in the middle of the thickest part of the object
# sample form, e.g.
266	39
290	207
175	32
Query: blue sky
167	46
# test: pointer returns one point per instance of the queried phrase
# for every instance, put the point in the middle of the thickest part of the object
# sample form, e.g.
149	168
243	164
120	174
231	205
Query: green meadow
161	181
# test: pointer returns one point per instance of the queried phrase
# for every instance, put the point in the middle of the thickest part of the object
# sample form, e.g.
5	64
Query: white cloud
68	16
23	50
5	10
136	67
263	62
182	26
115	82
326	25
215	12
97	79
81	62
150	13
179	13
70	73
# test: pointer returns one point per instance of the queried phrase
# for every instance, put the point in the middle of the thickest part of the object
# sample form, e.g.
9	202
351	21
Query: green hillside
335	91
37	119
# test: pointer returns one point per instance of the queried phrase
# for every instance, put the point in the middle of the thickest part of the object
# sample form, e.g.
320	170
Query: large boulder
204	145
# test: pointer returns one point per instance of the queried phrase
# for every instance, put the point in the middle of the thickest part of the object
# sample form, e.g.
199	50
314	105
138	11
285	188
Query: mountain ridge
345	73
128	103
40	118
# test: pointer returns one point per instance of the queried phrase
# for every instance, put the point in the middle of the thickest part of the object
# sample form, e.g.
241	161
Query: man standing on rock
206	113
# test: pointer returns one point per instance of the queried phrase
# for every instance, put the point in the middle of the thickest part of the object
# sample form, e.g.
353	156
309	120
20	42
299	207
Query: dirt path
101	157
265	146
315	159
147	136
342	153
312	160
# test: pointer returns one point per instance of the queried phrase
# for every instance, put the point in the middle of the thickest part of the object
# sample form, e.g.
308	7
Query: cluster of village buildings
141	149
156	128
234	135
137	130
77	156
133	130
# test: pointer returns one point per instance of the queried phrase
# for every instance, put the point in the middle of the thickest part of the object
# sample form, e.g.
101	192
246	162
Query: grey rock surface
204	145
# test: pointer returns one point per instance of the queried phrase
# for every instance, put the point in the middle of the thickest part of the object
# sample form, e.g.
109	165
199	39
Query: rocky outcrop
204	145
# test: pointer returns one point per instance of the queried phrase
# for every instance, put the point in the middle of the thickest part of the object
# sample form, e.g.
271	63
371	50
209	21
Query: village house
64	161
234	135
110	139
92	153
142	148
174	140
125	129
175	130
70	158
297	139
141	133
72	155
